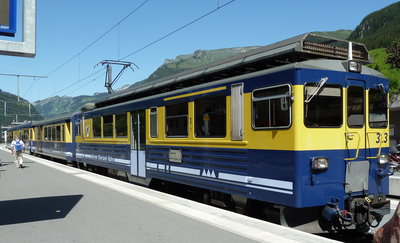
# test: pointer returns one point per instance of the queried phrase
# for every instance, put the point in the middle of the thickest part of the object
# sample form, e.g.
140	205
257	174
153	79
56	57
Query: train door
39	138
138	143
377	122
357	164
356	127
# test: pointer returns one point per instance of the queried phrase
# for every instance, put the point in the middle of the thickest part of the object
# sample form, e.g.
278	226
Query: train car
103	139
53	138
300	125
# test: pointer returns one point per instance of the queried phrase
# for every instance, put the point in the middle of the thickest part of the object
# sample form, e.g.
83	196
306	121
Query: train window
46	134
176	120
58	133
53	133
272	107
377	109
78	128
153	122
121	125
138	137
355	106
142	129
62	133
323	106
96	127
210	117
108	126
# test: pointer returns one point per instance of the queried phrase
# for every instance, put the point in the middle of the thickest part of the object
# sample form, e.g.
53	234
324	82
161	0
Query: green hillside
379	56
338	34
13	111
198	58
59	106
380	28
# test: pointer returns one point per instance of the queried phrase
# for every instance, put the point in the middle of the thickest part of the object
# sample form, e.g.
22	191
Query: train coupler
369	210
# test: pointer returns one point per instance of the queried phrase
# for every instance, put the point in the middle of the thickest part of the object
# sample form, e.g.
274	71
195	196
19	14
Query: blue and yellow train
300	125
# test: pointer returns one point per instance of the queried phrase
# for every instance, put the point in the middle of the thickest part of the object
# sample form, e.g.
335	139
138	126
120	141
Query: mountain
198	58
59	106
380	28
16	111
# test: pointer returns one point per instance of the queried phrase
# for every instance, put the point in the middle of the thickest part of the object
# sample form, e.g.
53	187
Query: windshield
377	109
325	108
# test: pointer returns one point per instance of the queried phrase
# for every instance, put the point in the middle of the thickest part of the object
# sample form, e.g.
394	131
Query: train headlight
354	66
383	159
319	164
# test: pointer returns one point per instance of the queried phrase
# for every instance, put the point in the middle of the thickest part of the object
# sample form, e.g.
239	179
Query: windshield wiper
383	93
320	84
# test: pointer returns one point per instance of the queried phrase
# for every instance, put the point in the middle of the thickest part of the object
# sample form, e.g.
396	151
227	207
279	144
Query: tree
393	58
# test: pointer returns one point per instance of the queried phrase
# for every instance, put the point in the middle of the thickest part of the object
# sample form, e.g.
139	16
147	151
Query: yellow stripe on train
297	137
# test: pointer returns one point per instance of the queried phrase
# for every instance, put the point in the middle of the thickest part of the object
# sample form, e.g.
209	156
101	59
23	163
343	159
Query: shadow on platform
36	209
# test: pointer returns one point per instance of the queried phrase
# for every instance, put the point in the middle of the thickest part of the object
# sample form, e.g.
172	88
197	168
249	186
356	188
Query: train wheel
82	166
230	204
206	197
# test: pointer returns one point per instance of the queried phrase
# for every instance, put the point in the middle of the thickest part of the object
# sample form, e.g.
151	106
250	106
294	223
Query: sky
73	36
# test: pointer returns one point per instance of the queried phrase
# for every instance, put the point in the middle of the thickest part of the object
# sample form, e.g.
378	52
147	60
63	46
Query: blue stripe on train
55	149
281	177
115	156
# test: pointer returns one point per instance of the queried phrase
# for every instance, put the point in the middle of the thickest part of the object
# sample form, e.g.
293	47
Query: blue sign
8	17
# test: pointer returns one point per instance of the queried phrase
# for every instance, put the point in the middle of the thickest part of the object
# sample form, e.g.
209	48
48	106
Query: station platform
47	201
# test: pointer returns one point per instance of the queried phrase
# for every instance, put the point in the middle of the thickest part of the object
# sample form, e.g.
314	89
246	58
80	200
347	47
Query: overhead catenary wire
99	38
80	80
142	48
91	44
92	80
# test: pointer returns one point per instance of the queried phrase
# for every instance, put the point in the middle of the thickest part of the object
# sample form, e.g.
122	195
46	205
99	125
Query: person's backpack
18	146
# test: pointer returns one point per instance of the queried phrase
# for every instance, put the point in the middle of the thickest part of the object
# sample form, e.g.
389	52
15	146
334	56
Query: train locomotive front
340	148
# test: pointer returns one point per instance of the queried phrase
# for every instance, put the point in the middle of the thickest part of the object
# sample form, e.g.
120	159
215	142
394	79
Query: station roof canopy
296	49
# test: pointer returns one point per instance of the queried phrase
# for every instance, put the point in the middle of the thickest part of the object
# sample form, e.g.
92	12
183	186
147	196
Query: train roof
296	49
20	126
51	121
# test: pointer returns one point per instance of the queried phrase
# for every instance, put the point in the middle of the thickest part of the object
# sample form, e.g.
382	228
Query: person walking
17	146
